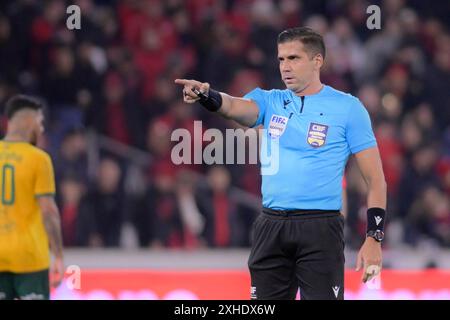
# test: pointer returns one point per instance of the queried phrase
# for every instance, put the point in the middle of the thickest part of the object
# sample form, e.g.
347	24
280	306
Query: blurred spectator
63	79
158	139
436	78
10	61
426	123
71	158
193	221
45	32
391	155
71	193
379	48
224	222
91	63
115	110
163	97
345	50
159	221
420	171
370	96
429	217
101	216
444	173
225	58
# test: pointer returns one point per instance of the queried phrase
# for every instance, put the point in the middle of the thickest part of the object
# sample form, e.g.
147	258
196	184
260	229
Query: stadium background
131	215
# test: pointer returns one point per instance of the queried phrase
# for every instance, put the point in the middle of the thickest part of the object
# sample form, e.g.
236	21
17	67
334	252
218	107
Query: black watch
378	235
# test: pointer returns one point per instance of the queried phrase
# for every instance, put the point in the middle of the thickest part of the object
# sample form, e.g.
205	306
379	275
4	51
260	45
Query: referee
298	238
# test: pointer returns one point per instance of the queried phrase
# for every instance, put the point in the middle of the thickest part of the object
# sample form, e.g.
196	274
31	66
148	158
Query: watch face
377	235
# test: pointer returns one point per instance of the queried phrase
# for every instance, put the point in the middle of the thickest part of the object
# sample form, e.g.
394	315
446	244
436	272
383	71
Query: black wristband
212	101
375	219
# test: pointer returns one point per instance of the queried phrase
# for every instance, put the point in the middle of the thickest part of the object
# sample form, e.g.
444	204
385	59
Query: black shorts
24	286
302	250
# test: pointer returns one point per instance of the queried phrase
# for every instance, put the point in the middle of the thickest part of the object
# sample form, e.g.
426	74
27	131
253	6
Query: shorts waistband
300	213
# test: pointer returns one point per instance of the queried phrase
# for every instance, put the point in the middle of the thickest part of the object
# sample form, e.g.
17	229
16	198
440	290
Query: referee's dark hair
312	41
21	101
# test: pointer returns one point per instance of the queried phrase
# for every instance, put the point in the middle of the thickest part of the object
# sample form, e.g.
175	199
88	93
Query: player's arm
52	223
370	256
44	190
243	111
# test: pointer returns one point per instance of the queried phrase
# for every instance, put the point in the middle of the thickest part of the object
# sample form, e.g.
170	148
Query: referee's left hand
370	258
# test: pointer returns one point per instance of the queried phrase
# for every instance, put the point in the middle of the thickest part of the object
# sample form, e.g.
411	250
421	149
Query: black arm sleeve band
212	101
375	219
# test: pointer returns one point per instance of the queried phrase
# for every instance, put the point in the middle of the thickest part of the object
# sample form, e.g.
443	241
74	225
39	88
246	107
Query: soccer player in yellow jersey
29	218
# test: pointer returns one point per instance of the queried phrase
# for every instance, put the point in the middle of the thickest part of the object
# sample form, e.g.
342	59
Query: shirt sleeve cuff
44	194
364	146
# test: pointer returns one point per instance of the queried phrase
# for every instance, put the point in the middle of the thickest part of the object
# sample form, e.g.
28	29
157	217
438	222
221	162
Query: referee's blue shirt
315	135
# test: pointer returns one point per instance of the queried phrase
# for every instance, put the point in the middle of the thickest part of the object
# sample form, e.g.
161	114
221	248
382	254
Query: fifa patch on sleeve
317	134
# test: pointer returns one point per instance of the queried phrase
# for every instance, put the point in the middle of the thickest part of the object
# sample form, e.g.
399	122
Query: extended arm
243	111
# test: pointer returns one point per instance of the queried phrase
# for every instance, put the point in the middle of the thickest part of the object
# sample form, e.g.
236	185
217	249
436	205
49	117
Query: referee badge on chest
317	134
277	126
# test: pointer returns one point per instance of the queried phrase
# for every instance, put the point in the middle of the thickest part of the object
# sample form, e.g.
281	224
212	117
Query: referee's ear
318	61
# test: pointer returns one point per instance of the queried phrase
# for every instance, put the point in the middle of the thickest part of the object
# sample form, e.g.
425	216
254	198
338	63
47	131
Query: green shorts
24	286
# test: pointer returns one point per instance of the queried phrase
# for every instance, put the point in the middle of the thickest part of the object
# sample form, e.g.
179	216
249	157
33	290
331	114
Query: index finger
188	82
181	81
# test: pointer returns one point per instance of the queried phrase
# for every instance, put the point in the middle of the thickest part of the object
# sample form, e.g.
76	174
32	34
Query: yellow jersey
26	173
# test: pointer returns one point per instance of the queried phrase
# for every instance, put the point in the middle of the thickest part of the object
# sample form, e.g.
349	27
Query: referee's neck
311	89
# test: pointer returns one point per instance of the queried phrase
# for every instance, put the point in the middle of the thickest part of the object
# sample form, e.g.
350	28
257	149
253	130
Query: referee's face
297	69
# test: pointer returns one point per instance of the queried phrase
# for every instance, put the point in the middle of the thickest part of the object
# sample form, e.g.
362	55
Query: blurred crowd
115	76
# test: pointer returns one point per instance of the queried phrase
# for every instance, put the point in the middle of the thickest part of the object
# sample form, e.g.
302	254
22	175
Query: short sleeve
359	131
45	179
261	98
